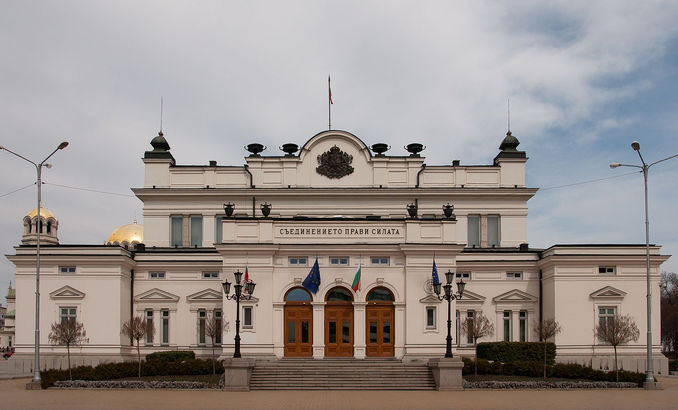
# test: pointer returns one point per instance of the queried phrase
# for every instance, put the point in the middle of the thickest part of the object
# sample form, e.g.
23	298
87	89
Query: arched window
298	295
49	227
380	294
339	295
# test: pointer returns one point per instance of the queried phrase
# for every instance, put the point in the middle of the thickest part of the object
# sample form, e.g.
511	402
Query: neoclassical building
349	207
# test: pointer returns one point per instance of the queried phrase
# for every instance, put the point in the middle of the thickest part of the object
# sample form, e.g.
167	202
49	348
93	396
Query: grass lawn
210	379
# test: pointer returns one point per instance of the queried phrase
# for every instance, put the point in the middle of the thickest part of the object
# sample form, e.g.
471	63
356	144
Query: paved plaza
14	396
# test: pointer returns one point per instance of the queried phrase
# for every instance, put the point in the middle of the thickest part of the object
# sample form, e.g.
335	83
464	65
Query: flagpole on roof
329	104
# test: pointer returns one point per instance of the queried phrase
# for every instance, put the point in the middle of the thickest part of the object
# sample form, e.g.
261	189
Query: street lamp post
649	377
38	168
237	296
449	296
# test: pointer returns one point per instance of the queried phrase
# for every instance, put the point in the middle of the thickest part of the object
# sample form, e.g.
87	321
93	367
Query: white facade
346	207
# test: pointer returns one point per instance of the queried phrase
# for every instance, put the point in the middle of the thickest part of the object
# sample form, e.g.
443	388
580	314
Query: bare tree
213	327
546	329
669	311
69	333
616	331
136	328
477	327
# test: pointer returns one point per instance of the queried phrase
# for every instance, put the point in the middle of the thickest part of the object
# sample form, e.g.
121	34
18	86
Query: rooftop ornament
228	209
289	149
412	210
266	209
380	148
414	149
255	149
448	210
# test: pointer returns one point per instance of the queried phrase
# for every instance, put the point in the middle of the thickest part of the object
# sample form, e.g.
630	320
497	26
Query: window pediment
67	292
515	295
205	295
471	297
608	292
156	295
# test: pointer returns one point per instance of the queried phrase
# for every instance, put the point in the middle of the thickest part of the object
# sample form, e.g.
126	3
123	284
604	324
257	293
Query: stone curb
542	385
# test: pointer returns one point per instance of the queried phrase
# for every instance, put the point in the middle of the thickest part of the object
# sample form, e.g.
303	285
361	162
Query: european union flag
312	281
436	280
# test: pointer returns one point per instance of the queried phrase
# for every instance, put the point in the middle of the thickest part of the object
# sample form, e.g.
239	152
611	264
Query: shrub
506	352
171	356
673	365
111	371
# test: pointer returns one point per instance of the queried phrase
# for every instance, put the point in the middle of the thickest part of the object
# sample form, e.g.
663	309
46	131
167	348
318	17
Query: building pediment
608	292
156	295
67	292
206	295
514	295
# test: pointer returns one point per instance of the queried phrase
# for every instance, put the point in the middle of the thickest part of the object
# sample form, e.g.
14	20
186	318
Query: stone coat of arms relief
335	163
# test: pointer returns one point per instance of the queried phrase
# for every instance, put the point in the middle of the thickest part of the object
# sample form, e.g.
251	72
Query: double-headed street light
239	294
449	296
38	168
649	377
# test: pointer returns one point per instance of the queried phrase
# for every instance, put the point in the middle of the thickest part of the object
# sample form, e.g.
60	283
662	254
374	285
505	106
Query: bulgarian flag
247	275
356	279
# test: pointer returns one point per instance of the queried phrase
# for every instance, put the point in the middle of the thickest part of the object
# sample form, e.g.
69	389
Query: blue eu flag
435	273
312	281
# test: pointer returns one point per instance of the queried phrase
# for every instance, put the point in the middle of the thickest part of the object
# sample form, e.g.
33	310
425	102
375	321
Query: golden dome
44	213
129	234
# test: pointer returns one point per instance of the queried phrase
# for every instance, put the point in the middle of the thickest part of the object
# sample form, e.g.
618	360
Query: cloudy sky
584	78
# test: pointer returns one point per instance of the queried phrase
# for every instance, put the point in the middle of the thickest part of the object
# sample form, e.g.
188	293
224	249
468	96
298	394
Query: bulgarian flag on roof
356	279
247	274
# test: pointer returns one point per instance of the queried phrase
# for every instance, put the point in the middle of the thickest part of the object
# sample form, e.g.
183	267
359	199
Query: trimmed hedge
560	370
506	352
172	355
111	371
673	365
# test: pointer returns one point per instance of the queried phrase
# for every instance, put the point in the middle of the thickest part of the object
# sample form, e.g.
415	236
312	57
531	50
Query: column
359	329
318	329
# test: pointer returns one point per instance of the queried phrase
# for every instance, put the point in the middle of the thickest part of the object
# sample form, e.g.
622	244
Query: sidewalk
14	396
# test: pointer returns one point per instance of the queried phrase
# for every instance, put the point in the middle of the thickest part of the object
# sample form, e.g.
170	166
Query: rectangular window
156	275
247	322
493	231
430	317
165	326
463	275
469	318
210	275
176	230
606	315
457	325
202	317
507	325
149	327
523	326
196	231
218	320
473	231
66	269
298	260
606	270
67	314
218	228
338	260
514	275
380	260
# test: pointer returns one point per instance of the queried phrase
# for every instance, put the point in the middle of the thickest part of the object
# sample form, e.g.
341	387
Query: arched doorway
379	315
298	323
339	323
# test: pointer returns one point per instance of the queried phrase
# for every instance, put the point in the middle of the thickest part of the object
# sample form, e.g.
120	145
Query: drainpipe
423	166
247	169
254	207
131	299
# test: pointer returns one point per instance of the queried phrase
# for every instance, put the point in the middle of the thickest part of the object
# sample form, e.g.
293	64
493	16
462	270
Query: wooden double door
379	330
298	330
339	330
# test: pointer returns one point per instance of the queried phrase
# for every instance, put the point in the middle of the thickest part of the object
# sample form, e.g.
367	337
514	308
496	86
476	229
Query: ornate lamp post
38	169
449	296
237	296
649	376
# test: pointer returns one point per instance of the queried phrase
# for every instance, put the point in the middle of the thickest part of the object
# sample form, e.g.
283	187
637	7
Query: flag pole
329	104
